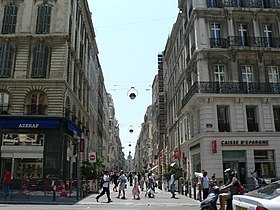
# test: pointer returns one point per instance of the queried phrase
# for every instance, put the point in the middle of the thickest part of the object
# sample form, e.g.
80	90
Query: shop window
4	103
17	139
9	19
264	163
37	104
28	168
252	124
223	118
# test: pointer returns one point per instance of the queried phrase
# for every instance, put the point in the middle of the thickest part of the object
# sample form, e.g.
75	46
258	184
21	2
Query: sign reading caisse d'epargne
245	143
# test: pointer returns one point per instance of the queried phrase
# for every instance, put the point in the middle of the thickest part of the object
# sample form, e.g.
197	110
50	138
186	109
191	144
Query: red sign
82	145
92	157
214	146
176	154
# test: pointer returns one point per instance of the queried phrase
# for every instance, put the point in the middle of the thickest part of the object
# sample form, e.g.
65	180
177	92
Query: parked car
264	198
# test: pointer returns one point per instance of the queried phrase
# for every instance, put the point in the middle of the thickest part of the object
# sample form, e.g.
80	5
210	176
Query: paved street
162	201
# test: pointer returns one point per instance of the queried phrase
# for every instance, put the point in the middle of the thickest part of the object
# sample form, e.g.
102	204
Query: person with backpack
172	184
234	186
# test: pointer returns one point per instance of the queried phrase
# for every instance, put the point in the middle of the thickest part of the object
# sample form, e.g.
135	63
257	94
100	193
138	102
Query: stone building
222	87
51	88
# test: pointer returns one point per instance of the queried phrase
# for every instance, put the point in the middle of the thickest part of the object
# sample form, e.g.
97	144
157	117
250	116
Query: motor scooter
210	203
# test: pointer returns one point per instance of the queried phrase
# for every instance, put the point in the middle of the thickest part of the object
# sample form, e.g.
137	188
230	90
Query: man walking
106	188
172	184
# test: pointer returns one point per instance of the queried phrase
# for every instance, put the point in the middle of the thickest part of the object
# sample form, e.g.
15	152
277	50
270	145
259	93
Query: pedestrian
122	182
7	181
256	179
172	184
115	178
106	187
136	188
205	184
141	181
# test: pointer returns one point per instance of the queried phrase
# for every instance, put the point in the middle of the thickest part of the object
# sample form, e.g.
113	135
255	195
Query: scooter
210	202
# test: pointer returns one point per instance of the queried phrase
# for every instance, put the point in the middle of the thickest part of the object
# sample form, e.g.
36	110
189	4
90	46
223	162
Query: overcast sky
129	35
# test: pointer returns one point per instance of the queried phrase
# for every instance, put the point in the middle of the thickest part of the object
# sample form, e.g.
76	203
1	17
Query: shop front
38	148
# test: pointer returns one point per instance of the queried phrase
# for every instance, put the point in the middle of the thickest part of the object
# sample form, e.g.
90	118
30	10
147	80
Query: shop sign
245	143
214	146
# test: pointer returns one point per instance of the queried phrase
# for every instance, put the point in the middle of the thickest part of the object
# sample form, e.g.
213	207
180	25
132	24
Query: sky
129	36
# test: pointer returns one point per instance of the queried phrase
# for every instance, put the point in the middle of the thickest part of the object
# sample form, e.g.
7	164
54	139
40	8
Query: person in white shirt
135	189
205	184
172	184
122	182
106	189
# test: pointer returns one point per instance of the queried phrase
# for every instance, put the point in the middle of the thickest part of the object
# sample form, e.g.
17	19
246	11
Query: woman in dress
135	189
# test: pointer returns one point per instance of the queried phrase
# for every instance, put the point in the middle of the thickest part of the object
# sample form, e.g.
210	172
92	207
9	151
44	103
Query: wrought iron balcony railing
244	3
231	88
267	42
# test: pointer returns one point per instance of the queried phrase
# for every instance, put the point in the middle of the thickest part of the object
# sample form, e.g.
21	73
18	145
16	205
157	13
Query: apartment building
51	89
222	87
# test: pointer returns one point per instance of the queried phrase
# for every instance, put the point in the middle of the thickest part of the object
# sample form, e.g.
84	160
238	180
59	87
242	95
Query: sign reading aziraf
92	157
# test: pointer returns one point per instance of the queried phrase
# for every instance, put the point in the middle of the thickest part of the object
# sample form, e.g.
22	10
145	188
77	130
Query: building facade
222	88
51	88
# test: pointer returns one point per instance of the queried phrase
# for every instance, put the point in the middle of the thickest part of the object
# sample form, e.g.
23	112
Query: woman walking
135	189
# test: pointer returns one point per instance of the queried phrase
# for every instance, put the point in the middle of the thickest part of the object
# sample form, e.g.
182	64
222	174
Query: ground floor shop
35	148
245	154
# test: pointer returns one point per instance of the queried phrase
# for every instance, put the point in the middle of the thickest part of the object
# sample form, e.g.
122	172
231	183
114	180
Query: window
215	35
243	36
247	74
219	73
264	163
40	61
252	124
43	19
276	115
9	19
273	74
267	33
4	103
223	121
6	59
37	104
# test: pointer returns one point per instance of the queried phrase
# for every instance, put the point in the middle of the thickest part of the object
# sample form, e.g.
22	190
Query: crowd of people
120	180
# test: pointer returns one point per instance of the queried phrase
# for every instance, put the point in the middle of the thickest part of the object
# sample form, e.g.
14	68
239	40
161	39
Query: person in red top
7	181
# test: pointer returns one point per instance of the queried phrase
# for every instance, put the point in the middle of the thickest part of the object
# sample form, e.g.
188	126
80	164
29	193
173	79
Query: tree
92	170
169	170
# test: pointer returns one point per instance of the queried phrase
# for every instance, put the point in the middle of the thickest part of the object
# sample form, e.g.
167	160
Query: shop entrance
235	160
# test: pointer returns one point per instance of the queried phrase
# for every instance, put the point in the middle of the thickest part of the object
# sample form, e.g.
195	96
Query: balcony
273	4
224	127
231	88
237	41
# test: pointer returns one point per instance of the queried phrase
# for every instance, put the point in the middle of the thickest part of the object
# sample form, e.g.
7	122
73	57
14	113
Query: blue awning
29	123
74	129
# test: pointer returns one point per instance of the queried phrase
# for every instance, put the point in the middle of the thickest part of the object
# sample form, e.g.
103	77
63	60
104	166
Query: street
162	201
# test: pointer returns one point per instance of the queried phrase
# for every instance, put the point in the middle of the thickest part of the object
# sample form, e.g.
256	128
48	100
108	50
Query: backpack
240	188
